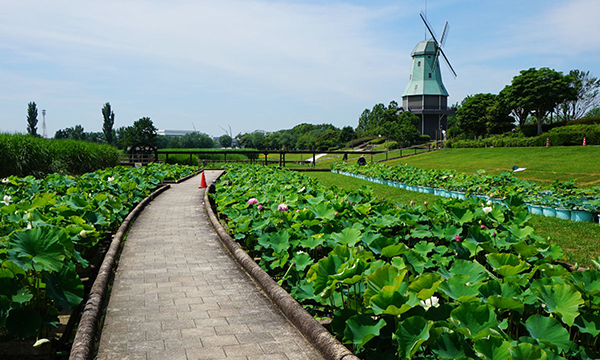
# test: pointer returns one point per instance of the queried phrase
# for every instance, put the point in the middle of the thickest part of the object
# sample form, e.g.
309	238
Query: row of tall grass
24	155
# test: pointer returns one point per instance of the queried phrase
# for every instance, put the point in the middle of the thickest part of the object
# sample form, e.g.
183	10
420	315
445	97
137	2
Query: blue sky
265	64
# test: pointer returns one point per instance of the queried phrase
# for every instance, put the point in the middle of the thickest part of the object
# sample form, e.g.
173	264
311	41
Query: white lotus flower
82	233
29	226
5	181
489	203
487	209
111	179
41	342
432	301
7	199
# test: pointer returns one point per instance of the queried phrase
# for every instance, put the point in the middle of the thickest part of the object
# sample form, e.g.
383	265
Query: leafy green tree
32	120
542	90
109	121
196	140
404	130
517	108
588	91
74	133
483	114
142	131
225	141
346	134
328	139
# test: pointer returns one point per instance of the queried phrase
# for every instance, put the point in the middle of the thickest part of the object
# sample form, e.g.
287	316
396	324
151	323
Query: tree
588	89
542	90
74	133
404	130
225	141
109	121
196	140
473	116
346	134
142	131
510	101
32	120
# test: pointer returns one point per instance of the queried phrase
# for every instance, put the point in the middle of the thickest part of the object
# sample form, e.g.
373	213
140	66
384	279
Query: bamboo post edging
310	328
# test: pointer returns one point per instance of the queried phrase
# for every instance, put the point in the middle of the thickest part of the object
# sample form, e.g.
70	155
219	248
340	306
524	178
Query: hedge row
560	136
24	155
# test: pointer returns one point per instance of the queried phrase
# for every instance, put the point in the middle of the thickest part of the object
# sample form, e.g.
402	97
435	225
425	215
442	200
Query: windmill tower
425	94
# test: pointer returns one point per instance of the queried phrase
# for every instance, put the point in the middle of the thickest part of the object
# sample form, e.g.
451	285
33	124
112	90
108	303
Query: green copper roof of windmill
425	76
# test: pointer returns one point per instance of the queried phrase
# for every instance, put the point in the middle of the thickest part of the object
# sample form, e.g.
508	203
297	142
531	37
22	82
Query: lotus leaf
37	249
588	323
505	264
64	287
425	285
561	299
449	346
410	335
549	332
526	351
474	321
493	348
459	288
348	237
588	281
360	329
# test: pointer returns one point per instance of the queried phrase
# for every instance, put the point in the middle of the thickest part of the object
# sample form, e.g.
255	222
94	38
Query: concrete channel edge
310	328
83	345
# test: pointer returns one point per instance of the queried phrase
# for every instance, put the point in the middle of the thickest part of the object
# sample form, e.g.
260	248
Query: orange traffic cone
202	182
547	142
584	141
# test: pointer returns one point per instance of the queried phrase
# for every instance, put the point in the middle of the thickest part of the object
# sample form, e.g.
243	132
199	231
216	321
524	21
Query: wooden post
166	158
266	159
190	158
284	159
314	159
224	157
386	155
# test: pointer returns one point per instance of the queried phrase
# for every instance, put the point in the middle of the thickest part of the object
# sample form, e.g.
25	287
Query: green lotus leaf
451	231
22	296
461	215
5	303
505	264
313	241
473	320
351	268
526	351
425	285
302	260
458	286
320	274
504	303
588	281
390	301
588	323
493	348
349	237
315	200
64	287
362	209
279	241
497	215
561	299
525	250
520	233
324	211
474	270
385	276
43	200
37	249
424	247
360	329
410	335
548	331
449	346
377	244
76	201
394	250
416	260
420	233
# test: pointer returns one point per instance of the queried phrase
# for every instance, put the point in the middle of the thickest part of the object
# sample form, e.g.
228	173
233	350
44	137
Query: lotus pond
49	230
446	280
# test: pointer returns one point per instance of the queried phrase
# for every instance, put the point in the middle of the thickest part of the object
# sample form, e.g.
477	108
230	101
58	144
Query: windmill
425	94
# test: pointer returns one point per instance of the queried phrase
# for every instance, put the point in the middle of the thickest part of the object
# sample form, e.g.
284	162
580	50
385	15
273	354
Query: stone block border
310	328
83	345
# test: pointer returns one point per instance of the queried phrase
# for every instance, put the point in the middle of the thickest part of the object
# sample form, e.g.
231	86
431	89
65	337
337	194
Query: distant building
174	132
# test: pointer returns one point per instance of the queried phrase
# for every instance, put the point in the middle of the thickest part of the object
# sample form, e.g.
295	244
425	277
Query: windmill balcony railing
430	108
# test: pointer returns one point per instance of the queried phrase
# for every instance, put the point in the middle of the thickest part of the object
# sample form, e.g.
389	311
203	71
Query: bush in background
24	155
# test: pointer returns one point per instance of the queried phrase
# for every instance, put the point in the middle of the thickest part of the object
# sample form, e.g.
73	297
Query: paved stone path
178	294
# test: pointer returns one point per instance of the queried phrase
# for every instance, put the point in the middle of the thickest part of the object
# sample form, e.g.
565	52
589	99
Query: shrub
182	159
361	140
390	145
24	155
377	141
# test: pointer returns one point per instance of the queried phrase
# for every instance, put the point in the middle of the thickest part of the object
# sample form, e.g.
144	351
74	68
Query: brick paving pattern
178	294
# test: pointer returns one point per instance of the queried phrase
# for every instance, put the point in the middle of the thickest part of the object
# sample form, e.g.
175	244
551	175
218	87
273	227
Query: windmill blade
445	34
428	27
448	62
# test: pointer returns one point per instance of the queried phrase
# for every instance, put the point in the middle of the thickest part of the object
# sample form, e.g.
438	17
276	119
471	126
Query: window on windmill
418	63
430	75
416	86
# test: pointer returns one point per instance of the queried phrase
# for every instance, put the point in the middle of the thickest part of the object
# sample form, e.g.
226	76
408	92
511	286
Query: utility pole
44	131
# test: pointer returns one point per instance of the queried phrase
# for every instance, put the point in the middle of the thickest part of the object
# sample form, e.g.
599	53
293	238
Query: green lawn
580	241
544	165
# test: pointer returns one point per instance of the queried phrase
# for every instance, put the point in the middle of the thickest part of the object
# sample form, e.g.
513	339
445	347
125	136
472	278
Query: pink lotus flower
252	201
335	213
259	207
482	226
412	202
457	238
282	207
425	203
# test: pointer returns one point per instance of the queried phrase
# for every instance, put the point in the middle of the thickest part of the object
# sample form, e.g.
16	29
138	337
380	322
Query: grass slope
544	165
580	241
